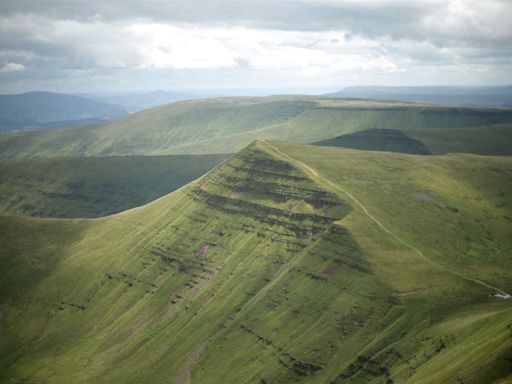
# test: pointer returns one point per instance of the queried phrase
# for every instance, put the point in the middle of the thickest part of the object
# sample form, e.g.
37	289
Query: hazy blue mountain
35	110
136	101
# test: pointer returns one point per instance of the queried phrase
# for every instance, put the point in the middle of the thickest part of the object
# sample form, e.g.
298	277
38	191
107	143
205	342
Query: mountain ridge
260	257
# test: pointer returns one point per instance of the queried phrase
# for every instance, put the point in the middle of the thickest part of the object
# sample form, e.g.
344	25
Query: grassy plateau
226	125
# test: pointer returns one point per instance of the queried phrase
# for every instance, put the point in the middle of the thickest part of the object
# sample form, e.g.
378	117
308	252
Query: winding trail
498	292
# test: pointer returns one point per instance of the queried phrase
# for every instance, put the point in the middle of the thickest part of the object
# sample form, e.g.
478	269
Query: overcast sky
77	46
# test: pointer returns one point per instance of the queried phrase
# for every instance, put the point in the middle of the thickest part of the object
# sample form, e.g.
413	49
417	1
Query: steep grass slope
226	125
267	270
95	186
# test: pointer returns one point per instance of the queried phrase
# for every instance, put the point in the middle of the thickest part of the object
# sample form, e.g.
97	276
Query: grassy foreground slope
96	186
264	270
226	125
492	140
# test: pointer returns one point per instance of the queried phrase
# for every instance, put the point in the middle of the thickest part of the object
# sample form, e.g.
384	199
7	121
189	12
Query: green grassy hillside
226	125
492	140
287	263
95	186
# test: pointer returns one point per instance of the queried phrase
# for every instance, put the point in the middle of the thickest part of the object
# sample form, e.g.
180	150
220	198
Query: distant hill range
36	110
225	125
498	97
137	101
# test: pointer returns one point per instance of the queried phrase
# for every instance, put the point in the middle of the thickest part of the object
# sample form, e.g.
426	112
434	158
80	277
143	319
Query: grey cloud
414	34
365	16
395	19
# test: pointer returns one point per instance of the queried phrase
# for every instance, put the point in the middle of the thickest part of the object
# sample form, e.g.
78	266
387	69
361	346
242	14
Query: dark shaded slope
94	186
389	140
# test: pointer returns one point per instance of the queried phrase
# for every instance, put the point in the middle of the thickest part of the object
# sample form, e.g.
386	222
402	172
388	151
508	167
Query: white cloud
12	67
145	45
184	47
189	47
